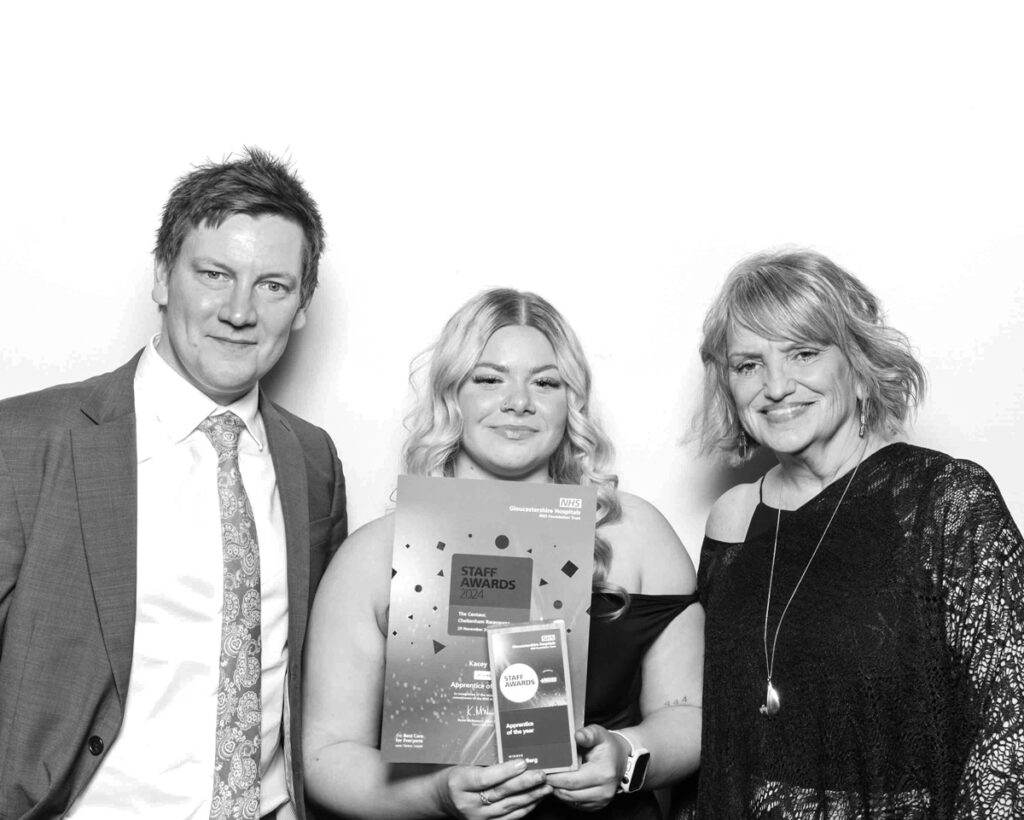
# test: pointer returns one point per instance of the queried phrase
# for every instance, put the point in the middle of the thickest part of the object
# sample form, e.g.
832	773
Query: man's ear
299	321
161	275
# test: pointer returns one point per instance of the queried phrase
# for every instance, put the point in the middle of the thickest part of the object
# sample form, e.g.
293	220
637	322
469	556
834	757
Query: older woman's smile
785	412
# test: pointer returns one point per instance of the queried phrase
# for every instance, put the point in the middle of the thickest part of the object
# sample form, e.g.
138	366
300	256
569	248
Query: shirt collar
168	408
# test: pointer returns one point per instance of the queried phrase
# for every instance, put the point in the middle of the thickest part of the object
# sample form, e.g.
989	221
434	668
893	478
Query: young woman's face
514	408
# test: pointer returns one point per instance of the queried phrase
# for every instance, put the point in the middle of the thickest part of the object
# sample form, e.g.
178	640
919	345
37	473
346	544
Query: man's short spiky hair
256	184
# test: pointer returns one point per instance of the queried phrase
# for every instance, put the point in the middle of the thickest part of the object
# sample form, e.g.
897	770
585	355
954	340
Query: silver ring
483	798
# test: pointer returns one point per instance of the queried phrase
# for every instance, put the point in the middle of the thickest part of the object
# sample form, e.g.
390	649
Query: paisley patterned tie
236	782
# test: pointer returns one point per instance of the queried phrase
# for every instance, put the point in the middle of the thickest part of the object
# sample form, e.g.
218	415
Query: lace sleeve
983	587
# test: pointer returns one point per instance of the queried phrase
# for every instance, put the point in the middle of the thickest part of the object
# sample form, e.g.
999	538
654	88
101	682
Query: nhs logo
570	503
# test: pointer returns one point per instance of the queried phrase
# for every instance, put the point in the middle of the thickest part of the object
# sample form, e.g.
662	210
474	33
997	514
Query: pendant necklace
772	704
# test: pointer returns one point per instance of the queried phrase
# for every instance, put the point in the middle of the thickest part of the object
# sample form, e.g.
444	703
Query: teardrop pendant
771	701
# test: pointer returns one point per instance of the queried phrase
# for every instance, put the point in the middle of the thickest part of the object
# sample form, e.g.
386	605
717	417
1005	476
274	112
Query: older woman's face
514	408
792	397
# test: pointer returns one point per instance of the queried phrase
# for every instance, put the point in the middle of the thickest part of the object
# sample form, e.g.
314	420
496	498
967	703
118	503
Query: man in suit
162	531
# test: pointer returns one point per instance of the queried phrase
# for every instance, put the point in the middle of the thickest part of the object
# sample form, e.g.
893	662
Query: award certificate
469	555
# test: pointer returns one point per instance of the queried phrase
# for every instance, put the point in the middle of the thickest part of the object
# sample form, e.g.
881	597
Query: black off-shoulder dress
617	649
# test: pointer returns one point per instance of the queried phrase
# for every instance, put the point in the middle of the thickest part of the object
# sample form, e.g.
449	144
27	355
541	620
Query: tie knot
223	431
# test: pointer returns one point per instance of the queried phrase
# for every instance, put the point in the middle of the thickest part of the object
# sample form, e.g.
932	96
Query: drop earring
744	446
862	431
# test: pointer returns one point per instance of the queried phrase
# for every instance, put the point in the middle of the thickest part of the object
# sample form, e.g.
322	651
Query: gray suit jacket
67	576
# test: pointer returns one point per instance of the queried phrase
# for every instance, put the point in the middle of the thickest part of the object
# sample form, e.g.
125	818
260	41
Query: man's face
231	301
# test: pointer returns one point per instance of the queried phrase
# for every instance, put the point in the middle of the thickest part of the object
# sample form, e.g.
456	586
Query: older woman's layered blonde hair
801	295
435	423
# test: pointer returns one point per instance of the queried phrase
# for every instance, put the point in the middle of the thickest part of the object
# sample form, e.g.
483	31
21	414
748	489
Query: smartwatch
636	766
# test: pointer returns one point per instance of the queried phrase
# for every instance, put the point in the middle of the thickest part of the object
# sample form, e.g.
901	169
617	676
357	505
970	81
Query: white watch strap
636	753
632	748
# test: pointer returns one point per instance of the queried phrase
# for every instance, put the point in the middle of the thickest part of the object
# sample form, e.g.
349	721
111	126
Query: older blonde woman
507	397
864	598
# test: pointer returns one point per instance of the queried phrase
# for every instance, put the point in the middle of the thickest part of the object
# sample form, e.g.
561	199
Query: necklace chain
772	704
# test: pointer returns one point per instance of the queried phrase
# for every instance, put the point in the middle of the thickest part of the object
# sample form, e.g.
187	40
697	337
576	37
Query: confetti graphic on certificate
471	555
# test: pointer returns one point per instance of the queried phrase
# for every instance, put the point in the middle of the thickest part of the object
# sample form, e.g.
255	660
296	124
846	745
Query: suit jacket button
96	745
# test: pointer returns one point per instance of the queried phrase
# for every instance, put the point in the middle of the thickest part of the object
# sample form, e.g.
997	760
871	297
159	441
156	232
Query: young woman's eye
549	382
485	378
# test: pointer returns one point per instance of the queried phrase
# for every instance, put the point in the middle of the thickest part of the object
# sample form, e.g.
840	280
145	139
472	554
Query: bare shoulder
371	540
648	551
362	561
730	514
642	515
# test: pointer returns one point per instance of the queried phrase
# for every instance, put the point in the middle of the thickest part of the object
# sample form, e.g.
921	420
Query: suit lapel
105	478
290	470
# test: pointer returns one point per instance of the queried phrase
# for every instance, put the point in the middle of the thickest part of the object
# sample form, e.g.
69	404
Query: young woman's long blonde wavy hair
435	423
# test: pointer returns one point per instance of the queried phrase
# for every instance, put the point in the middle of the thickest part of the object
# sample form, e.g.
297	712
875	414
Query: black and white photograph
752	271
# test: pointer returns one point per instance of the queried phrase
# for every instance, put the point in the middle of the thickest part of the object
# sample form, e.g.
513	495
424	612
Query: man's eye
213	274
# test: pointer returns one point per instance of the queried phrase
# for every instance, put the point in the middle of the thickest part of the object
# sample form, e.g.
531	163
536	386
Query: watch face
639	770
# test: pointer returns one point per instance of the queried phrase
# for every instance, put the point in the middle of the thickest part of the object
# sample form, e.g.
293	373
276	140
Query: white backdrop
616	158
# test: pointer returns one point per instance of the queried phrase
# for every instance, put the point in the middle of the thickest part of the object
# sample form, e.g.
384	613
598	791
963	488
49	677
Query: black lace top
900	664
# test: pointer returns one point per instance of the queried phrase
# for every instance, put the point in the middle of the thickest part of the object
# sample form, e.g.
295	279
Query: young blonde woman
507	397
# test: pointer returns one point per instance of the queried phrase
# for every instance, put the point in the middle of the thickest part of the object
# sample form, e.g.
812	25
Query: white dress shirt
161	763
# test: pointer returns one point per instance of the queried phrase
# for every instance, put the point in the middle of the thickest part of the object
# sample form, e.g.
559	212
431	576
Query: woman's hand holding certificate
505	790
595	783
